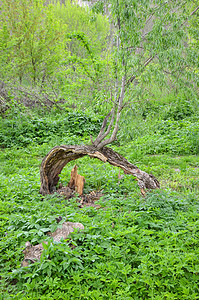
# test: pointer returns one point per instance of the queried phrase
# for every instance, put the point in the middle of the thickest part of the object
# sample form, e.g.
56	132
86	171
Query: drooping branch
191	14
146	63
59	156
150	59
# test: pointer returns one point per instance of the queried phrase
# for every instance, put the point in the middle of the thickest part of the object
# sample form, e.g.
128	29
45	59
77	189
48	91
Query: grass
131	248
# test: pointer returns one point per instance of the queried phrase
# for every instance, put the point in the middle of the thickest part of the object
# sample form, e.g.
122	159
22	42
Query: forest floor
131	247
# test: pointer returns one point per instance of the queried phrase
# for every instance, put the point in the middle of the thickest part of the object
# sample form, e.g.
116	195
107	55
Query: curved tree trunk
59	156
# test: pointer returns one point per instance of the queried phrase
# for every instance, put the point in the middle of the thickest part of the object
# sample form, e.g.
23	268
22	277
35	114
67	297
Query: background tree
29	36
152	44
38	53
149	43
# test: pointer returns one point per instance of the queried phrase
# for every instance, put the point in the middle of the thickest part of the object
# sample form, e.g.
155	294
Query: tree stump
59	156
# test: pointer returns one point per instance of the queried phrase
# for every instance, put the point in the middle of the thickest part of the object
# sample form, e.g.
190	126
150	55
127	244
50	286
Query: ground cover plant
116	72
131	248
22	130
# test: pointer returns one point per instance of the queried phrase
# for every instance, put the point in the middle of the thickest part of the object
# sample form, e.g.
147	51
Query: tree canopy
153	43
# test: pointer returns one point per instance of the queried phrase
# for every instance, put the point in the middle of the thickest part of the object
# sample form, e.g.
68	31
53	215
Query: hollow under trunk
59	156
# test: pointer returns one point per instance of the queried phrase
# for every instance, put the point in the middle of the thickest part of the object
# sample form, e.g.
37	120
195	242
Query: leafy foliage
132	247
170	137
151	45
44	49
23	131
164	124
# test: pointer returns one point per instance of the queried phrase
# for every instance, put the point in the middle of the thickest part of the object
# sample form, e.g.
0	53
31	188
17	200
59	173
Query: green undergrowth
131	248
154	136
166	124
21	130
174	130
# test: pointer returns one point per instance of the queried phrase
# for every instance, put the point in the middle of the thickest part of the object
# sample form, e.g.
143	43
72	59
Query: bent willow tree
151	41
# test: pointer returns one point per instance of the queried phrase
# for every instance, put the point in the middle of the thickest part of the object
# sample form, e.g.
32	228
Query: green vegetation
51	52
20	131
59	68
133	247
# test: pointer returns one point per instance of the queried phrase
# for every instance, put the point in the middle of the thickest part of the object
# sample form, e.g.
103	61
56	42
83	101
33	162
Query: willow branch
191	14
143	67
102	134
119	109
133	77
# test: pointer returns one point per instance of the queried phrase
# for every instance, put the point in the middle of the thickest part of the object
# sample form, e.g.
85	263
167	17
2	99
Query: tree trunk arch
59	156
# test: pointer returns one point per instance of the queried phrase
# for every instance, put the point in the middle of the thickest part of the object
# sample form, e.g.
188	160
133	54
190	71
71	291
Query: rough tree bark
59	156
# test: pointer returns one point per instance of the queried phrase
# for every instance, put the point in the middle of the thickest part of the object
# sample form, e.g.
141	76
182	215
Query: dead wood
65	230
90	199
76	181
59	156
33	253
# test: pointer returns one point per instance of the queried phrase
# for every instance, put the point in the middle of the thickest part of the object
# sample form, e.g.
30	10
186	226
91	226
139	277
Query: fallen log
33	253
59	156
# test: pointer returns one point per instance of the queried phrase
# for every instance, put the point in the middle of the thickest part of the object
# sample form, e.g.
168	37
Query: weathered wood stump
59	156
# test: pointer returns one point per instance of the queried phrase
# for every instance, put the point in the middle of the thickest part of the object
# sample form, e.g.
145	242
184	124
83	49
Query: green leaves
129	248
37	41
154	36
22	132
132	247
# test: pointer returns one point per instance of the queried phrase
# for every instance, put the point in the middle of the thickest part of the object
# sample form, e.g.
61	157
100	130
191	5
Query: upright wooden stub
76	181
